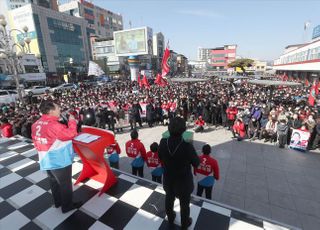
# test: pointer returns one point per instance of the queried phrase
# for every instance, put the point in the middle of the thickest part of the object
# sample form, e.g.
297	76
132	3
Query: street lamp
9	53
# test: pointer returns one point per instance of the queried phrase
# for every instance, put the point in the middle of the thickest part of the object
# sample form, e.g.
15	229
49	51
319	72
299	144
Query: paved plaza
281	184
260	184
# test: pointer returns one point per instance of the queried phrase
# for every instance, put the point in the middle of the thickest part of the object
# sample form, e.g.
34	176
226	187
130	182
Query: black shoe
171	221
188	224
266	140
57	205
75	205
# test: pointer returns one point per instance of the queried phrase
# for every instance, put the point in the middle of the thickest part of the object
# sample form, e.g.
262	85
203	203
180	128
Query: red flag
165	66
160	81
314	91
139	81
145	82
306	82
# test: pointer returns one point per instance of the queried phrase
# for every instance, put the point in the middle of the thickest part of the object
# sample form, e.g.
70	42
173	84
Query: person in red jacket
5	128
53	141
239	130
232	112
207	172
136	150
113	152
199	125
153	162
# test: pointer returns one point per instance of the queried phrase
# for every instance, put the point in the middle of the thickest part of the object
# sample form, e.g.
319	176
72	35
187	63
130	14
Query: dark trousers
282	140
208	191
157	179
114	164
316	141
137	171
199	129
184	207
150	124
61	187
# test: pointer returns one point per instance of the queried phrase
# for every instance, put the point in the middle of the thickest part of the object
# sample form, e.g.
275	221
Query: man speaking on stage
53	142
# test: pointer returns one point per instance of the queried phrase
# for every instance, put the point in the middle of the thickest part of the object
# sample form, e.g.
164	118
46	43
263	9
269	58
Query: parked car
36	90
8	96
63	87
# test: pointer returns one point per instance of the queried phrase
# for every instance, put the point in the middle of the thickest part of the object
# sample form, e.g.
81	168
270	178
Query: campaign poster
299	139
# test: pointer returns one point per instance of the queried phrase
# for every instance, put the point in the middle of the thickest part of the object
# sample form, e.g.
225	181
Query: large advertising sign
299	139
316	32
136	41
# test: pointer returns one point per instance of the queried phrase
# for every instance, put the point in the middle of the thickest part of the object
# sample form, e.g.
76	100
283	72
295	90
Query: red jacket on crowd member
303	115
239	128
232	113
200	122
152	159
135	148
208	165
114	148
6	130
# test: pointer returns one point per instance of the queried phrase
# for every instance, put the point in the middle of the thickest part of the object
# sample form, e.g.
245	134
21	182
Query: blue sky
260	28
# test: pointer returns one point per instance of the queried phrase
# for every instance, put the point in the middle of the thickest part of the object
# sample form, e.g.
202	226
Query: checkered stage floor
26	203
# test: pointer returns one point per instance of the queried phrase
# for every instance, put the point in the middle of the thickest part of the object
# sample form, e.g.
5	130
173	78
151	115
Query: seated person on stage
113	152
253	128
154	163
199	125
207	172
270	132
136	150
239	130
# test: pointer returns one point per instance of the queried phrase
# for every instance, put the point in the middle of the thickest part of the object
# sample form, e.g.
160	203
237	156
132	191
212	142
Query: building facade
103	54
300	61
57	37
101	22
182	64
204	54
158	50
29	68
220	57
13	4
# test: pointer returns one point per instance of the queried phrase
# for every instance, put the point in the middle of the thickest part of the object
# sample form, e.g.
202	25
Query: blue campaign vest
60	155
208	181
113	158
137	162
157	171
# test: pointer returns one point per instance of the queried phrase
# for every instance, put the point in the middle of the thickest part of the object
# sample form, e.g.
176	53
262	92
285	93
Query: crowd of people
249	111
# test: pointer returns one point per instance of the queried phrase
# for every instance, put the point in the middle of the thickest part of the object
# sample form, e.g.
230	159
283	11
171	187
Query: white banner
95	69
299	139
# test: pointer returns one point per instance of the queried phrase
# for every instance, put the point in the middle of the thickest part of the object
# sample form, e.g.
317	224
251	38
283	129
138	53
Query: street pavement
280	184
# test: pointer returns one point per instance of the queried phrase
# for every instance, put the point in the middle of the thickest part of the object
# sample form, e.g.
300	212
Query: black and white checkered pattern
133	203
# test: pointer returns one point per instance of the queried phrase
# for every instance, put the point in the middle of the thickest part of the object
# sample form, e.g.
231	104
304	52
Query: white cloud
200	13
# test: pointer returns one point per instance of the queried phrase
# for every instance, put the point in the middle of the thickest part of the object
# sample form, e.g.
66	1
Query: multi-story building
101	22
104	55
57	37
301	61
29	68
173	63
204	54
222	56
182	64
13	4
158	49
